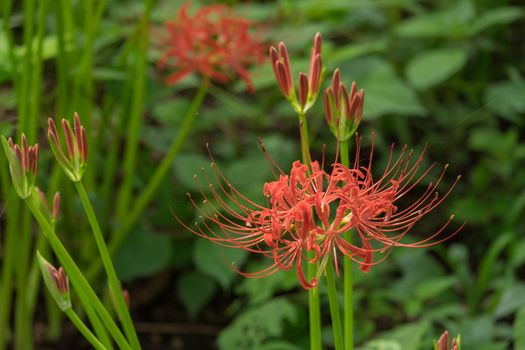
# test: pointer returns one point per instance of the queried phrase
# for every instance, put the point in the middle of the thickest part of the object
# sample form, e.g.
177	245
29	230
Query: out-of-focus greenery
447	74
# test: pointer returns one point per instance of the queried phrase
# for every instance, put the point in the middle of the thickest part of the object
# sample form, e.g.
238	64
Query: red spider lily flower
75	163
23	165
309	85
310	209
343	110
214	42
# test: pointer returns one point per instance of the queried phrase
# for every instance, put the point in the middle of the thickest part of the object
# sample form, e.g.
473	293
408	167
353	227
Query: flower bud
75	163
56	282
23	165
443	343
343	110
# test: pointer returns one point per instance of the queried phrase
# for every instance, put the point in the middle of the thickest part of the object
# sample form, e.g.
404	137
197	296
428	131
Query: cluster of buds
443	343
343	110
75	163
50	212
23	165
56	282
309	85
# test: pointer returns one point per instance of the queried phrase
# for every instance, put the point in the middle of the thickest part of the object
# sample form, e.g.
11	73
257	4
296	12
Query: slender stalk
114	283
314	305
84	330
334	306
6	288
348	272
160	173
23	332
84	291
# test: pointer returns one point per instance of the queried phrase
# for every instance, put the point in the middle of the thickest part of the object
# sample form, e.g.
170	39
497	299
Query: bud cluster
309	85
23	165
56	282
75	162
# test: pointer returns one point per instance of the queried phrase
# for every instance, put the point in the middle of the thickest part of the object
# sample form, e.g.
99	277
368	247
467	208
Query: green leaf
215	261
250	329
495	17
519	330
142	254
433	67
187	165
512	299
390	95
278	345
382	345
410	336
507	99
195	290
434	287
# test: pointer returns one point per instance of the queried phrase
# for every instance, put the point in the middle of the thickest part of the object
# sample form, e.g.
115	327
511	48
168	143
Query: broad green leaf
142	254
507	99
410	336
434	287
433	67
519	330
382	345
512	299
497	16
250	329
216	261
195	290
351	51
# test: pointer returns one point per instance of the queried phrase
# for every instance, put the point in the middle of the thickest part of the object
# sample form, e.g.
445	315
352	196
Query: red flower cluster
213	42
310	209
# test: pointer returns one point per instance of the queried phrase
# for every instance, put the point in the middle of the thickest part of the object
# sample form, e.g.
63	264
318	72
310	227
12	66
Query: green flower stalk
74	163
343	109
23	165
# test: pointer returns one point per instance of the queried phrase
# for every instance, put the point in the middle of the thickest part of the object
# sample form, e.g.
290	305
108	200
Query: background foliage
446	74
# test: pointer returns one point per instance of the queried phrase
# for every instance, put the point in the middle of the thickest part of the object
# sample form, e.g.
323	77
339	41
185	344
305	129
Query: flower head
75	162
56	282
310	209
214	42
343	109
23	165
309	85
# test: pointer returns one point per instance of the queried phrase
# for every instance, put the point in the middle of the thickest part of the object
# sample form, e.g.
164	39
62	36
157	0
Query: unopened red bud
303	89
327	109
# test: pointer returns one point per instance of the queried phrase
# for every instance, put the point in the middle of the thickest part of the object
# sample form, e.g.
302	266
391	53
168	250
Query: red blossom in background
309	210
215	42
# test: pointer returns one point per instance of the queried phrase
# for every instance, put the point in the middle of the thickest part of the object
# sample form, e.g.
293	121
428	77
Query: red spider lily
443	343
213	42
310	209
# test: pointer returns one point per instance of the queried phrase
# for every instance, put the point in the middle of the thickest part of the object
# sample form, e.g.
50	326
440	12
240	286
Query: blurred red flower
310	209
215	42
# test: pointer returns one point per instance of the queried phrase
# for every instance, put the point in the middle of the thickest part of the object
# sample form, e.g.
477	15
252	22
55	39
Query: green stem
348	272
84	291
114	283
314	305
160	173
334	306
84	330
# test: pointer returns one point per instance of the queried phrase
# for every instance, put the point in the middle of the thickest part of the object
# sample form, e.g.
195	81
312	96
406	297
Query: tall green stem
348	273
114	283
334	305
314	305
85	293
